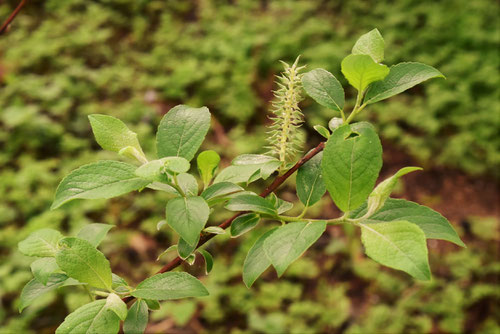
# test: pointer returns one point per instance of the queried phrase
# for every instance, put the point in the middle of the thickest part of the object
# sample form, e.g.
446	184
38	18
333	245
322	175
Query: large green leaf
181	131
34	289
137	318
244	223
207	162
42	243
287	243
399	245
112	134
371	44
80	260
324	88
43	268
248	202
103	179
361	71
256	261
170	286
352	159
94	233
310	185
187	216
94	317
401	77
434	225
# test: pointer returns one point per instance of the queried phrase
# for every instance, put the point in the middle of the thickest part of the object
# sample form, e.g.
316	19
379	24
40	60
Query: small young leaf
94	317
176	165
401	77
384	189
371	44
399	245
310	185
256	261
244	223
247	202
207	161
282	206
42	243
214	230
169	249
289	242
117	281
188	184
181	131
322	131
361	70
218	192
103	179
34	289
434	225
153	305
80	260
43	268
137	318
324	88
352	159
187	216
115	304
94	233
184	249
170	285
191	259
252	159
334	123
209	261
112	134
151	170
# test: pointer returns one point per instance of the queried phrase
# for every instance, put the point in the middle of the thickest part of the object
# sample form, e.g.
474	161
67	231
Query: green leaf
187	216
169	249
249	168
334	123
214	230
434	225
42	243
209	261
207	161
188	184
181	131
171	285
112	134
116	304
184	249
176	165
289	242
244	223
247	202
252	159
361	70
310	185
191	259
256	261
218	192
322	131
401	77
384	189
137	318
80	260
103	179
352	159
151	170
94	317
324	88
398	244
43	268
153	304
371	44
94	233
118	281
34	289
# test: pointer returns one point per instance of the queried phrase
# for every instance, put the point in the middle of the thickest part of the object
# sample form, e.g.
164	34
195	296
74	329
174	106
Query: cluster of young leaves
394	232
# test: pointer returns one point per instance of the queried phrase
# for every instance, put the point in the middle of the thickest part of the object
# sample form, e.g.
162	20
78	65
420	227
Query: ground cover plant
346	165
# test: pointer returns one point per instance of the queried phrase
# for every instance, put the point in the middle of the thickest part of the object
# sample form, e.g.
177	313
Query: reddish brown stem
5	25
225	224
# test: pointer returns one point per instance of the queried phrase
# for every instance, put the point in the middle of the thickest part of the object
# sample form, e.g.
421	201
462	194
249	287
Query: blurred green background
135	59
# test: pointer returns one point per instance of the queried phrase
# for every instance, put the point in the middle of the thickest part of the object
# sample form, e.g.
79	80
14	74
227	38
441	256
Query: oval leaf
94	317
247	202
218	192
207	161
170	285
116	304
187	216
137	318
112	134
209	261
324	88
94	233
361	70
256	261
310	185
244	223
43	268
34	289
42	243
371	44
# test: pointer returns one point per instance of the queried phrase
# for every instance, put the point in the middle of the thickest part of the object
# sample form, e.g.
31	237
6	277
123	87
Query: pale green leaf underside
115	304
401	77
371	44
170	285
310	185
112	134
103	179
94	317
41	243
434	225
181	131
256	261
289	242
398	244
34	289
324	88
361	71
137	318
352	159
187	216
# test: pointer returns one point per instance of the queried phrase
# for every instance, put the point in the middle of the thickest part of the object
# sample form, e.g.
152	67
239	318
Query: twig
5	25
225	224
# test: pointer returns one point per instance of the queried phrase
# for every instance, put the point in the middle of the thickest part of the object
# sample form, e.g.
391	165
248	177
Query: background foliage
136	59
